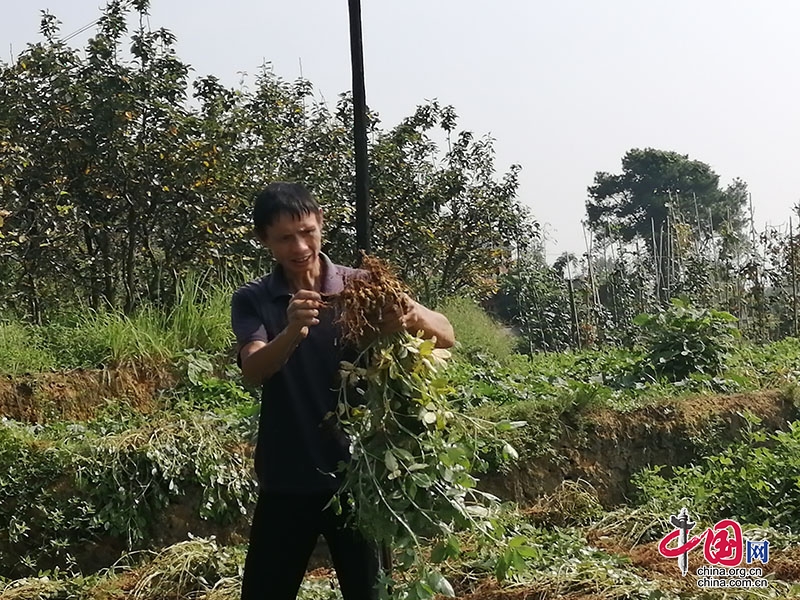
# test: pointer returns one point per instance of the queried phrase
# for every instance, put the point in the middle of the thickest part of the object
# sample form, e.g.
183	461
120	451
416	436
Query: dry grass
188	570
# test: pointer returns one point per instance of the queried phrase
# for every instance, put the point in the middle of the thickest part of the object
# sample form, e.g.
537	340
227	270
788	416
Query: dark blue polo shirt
298	449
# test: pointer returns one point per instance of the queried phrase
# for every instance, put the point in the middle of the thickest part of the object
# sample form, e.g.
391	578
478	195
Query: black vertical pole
359	128
362	168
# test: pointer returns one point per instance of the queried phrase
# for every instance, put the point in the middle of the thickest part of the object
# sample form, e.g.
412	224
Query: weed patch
479	336
200	318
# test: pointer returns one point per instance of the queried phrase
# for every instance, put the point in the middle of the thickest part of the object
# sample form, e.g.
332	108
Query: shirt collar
332	279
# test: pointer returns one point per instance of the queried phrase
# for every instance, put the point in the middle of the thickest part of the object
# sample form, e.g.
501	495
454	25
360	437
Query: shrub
683	340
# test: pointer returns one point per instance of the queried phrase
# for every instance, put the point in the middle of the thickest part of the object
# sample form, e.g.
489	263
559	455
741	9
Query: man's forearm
433	324
269	359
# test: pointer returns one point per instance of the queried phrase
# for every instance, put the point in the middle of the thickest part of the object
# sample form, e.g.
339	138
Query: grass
200	319
23	349
477	333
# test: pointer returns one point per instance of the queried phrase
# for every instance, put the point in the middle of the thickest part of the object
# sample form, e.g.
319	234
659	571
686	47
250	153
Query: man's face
295	241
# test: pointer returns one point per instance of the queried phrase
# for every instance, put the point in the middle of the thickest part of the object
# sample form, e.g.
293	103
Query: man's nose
298	243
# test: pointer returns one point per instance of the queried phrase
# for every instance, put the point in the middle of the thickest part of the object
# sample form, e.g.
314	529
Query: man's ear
319	217
261	237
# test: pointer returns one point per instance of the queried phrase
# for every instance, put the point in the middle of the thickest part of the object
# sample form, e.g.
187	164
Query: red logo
723	543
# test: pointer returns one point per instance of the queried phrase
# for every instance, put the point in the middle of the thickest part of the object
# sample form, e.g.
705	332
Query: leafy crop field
127	463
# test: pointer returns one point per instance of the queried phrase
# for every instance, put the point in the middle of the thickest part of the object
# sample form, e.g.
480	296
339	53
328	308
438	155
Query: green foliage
548	379
443	218
199	318
205	389
107	169
411	476
52	514
768	366
76	341
117	177
22	349
557	558
65	484
683	340
535	298
753	481
478	335
637	202
532	557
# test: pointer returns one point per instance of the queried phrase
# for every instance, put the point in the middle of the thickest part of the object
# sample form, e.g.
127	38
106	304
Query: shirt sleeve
246	323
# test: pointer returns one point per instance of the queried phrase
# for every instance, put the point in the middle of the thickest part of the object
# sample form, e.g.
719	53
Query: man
288	343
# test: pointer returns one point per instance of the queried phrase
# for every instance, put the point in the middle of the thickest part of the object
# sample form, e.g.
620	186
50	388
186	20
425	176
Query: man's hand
303	312
409	315
403	316
262	360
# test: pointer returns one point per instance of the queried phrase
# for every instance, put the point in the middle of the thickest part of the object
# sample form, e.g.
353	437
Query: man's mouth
301	261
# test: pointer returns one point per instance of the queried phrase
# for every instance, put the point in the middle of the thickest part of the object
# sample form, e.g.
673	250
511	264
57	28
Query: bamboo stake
656	261
664	288
576	324
697	218
588	242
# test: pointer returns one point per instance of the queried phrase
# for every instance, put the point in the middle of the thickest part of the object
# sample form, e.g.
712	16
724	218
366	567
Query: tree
535	298
655	184
656	190
105	172
444	218
113	185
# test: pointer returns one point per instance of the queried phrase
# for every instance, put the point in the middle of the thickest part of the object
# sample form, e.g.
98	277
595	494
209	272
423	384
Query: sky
564	87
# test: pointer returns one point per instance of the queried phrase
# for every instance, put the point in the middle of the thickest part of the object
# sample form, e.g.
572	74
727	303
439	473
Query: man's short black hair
281	197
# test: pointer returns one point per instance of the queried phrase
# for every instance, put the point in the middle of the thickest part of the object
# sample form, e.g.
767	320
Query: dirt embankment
608	447
604	447
80	394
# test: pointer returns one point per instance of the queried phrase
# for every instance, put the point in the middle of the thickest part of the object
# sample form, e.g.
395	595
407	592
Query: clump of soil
785	564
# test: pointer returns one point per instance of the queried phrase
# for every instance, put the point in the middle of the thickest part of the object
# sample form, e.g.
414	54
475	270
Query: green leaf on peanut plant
390	461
